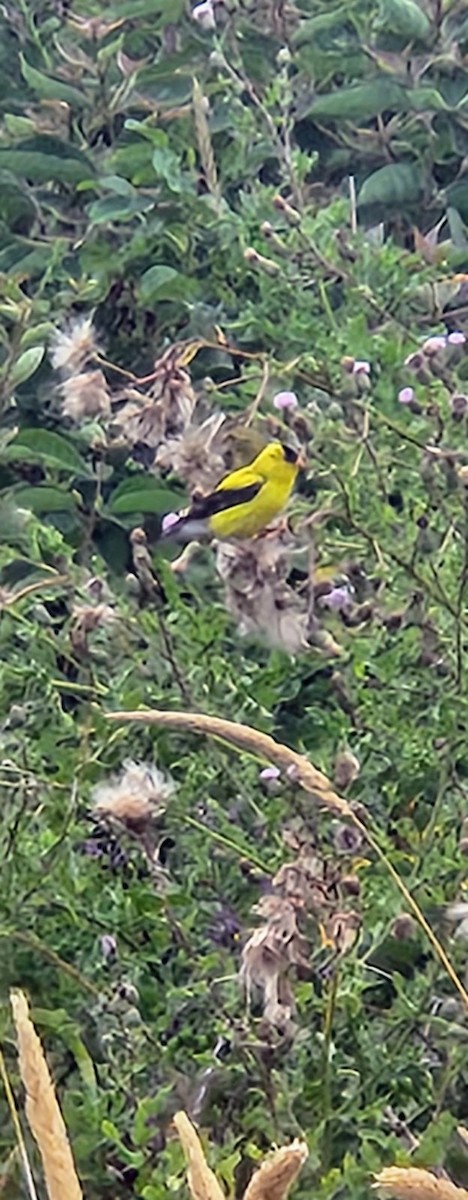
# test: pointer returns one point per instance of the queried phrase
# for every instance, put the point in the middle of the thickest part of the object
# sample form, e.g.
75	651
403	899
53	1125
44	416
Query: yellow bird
244	502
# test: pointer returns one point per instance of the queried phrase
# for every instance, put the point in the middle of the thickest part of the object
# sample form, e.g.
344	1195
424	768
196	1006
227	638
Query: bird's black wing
206	506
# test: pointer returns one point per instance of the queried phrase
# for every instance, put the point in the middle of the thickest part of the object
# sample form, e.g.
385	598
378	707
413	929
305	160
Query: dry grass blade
202	1181
301	772
42	1108
276	1175
204	143
411	1183
28	1175
261	745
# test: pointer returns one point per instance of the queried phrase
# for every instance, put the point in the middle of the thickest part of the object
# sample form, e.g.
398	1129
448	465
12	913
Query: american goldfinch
245	501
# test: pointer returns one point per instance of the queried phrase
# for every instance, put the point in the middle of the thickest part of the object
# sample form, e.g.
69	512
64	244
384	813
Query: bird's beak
302	461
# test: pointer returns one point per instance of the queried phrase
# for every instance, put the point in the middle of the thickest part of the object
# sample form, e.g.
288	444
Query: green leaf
50	89
144	495
26	365
135	1158
42	445
395	186
365	101
44	158
119	208
166	164
457	229
405	18
425	99
166	10
43	499
164	283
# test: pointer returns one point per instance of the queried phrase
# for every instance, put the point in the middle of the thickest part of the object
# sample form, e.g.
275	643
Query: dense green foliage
186	184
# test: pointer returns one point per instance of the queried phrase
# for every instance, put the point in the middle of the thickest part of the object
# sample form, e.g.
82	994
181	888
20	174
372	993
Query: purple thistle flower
169	520
108	946
406	396
285	400
457	338
361	367
433	344
269	773
339	599
203	14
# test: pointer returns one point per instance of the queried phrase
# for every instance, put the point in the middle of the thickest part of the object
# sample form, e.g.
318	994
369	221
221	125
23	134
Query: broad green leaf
457	198
119	208
144	495
26	365
43	499
17	207
51	89
159	10
406	18
42	445
457	229
44	158
164	283
358	103
425	99
167	167
395	186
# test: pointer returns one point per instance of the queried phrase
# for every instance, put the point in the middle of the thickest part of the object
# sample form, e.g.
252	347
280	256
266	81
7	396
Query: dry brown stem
261	745
42	1108
202	1181
276	1175
412	1183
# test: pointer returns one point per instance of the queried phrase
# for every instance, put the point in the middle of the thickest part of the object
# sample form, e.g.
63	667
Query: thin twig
253	410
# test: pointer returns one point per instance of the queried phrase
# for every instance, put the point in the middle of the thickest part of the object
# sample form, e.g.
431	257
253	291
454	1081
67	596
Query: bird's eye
290	454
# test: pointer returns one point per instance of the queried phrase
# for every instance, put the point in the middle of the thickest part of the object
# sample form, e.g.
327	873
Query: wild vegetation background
259	209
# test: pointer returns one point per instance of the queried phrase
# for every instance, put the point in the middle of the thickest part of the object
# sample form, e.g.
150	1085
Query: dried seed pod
403	927
347	768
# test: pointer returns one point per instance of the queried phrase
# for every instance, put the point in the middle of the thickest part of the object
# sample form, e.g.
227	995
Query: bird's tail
185	528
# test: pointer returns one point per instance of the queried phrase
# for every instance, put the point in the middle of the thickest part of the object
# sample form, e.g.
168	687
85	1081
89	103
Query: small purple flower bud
168	521
108	946
406	396
433	344
285	400
457	338
203	14
269	773
361	367
339	599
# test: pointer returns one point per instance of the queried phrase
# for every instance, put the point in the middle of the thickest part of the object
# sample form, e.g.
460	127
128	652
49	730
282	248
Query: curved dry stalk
201	1179
42	1108
301	772
298	768
411	1183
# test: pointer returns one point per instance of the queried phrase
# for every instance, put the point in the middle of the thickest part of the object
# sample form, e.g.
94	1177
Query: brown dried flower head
268	956
347	768
166	410
257	593
85	396
72	348
197	456
134	797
